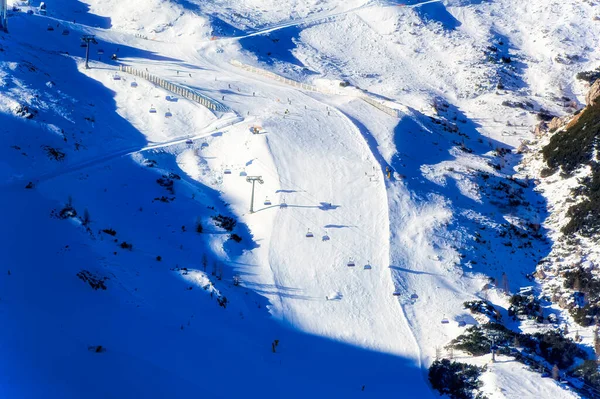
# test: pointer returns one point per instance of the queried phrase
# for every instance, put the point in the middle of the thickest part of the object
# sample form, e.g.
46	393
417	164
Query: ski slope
356	305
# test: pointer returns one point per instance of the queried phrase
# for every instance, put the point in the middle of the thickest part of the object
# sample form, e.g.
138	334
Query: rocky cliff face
566	159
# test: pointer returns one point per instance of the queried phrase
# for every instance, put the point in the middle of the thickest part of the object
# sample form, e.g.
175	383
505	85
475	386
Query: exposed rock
541	128
593	93
555	124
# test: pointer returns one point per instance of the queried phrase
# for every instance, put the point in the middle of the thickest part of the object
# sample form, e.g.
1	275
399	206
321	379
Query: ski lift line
306	194
345	250
373	240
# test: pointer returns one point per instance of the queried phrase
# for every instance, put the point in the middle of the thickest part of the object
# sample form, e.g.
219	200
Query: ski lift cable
372	240
348	251
307	195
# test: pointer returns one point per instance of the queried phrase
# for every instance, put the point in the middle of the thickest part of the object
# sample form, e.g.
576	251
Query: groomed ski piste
352	266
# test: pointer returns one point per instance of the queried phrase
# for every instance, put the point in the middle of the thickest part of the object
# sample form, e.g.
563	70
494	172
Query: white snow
324	161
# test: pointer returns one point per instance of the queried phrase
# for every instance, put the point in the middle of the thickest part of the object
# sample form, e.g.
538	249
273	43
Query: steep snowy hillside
134	266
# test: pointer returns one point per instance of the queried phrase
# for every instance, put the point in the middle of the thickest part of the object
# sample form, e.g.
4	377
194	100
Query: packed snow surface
361	239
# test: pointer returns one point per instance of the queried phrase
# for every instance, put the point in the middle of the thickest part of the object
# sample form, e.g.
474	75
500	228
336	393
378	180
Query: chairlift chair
283	204
152	109
227	171
189	141
267	201
309	234
168	114
100	52
414	297
397	293
351	263
368	267
116	77
66	32
82	45
445	320
134	84
204	145
50	28
325	237
243	173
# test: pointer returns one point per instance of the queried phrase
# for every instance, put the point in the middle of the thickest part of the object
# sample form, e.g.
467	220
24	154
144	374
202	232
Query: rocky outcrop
593	94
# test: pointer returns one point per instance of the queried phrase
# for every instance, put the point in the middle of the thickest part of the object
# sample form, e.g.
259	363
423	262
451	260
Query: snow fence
369	100
191	95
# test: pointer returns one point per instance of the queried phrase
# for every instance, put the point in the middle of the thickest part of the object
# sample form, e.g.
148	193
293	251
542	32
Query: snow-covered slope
368	230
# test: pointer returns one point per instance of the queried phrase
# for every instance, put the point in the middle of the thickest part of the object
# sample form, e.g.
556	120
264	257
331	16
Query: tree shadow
499	217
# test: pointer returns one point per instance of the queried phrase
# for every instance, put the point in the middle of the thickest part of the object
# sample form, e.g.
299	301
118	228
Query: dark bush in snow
226	222
457	380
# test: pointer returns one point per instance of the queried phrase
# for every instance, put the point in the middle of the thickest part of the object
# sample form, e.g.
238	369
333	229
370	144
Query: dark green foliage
110	232
199	228
521	305
557	349
582	280
585	315
585	218
235	237
226	222
571	150
589	76
474	342
588	372
457	380
126	245
554	347
483	307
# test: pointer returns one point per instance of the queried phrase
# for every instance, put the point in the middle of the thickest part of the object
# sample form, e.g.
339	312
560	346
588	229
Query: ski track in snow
323	157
